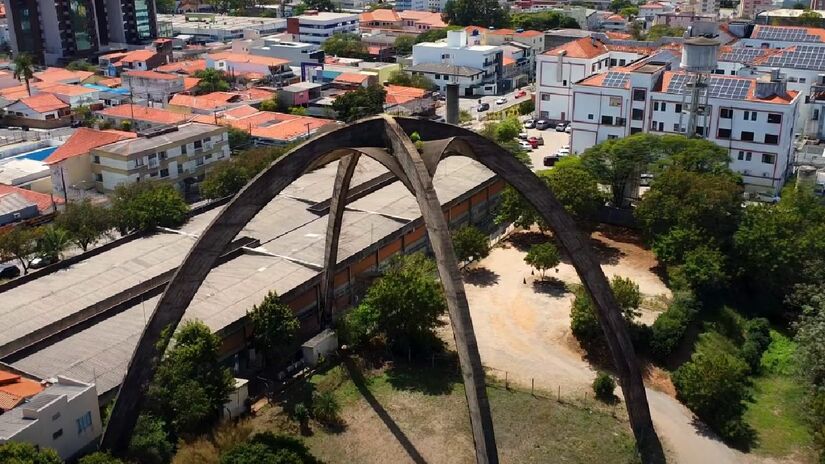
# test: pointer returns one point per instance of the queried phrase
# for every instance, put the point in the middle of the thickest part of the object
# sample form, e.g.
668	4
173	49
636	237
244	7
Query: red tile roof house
113	64
20	204
42	110
253	67
71	166
409	100
268	127
140	117
14	389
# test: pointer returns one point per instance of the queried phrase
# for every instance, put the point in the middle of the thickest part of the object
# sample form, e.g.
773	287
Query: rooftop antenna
699	60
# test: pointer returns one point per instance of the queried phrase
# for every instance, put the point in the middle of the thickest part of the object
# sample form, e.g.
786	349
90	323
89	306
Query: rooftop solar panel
616	79
786	34
734	89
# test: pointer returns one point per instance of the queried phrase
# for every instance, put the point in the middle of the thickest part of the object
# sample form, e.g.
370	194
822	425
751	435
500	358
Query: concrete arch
401	158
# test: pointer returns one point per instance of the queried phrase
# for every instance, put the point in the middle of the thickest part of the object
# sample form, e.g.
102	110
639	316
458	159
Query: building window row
767	158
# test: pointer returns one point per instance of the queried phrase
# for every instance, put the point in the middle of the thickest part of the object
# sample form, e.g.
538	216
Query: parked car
542	124
9	271
501	101
533	142
522	135
550	160
520	93
42	261
539	140
565	147
482	107
525	145
563	152
569	129
529	124
561	127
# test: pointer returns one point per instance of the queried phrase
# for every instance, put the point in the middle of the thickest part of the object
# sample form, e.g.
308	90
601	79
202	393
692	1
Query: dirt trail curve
525	330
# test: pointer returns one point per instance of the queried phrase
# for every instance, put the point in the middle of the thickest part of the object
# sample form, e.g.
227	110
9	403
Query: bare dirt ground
523	329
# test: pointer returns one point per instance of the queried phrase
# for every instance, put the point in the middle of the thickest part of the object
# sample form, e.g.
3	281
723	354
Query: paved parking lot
552	142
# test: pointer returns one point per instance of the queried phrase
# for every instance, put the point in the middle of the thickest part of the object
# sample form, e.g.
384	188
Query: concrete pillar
452	103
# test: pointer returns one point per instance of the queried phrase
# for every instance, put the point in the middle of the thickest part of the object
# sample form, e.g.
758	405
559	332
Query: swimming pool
38	155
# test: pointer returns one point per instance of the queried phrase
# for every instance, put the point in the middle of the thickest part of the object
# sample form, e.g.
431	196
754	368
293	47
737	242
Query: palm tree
24	69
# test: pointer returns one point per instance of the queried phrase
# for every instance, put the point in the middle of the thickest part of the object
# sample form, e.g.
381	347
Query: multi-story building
254	67
55	31
211	27
750	8
179	154
477	69
152	85
753	118
783	37
65	417
139	118
417	5
395	23
276	46
317	27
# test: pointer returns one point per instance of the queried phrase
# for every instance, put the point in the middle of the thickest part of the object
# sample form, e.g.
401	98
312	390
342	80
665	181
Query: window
612	137
622	62
664	106
199	162
162	155
153	174
741	156
815	115
84	422
139	162
545	97
164	172
661	127
564	82
768	158
209	156
750	115
98	177
676	127
180	168
723	133
725	113
774	118
96	159
745	156
639	94
57	434
678	108
607	120
183	149
635	130
590	116
198	144
655	106
771	139
746	136
56	416
637	114
700	130
802	80
613	62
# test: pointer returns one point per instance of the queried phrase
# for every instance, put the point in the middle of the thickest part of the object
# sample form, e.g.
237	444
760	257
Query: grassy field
776	410
419	415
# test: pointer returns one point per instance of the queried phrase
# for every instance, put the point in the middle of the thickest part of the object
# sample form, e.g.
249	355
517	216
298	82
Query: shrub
326	409
100	458
470	243
543	257
757	338
669	328
603	386
150	443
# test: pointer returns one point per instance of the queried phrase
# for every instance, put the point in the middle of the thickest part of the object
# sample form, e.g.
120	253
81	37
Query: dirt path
524	329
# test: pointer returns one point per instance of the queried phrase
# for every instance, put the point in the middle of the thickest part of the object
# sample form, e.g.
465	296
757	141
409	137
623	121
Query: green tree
144	205
576	189
268	448
603	386
810	18
470	243
404	305
99	458
191	386
165	6
543	256
756	339
360	103
584	322
433	35
810	331
658	31
25	453
403	44
270	104
619	163
714	385
274	325
24	69
84	114
224	179
320	5
543	20
150	442
507	129
629	12
346	46
238	138
211	80
19	243
411	80
326	409
527	107
669	328
617	5
81	65
126	126
53	241
298	111
476	13
86	222
705	268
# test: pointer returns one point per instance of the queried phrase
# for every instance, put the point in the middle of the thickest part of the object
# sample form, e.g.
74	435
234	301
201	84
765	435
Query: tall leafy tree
224	179
583	320
19	243
86	222
411	80
543	256
543	20
476	13
191	386
143	205
360	103
346	45
24	69
619	163
811	352
211	80
274	325
403	44
25	453
470	243
150	443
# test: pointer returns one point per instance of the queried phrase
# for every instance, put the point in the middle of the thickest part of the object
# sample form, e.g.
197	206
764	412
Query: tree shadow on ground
433	376
621	234
605	253
744	443
480	277
550	286
525	239
361	384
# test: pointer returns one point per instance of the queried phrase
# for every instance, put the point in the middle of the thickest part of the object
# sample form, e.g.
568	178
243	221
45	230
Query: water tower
699	56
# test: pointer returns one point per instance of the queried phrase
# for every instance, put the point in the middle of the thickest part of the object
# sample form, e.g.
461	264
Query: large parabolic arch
386	140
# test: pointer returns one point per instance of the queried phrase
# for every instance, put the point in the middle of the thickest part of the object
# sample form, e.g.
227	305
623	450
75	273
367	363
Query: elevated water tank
806	175
699	55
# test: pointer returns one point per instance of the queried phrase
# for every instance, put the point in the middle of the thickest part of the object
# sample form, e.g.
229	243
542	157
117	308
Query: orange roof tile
529	33
584	47
380	14
616	17
71	90
144	113
398	94
183	67
291	129
110	82
42	200
14	93
241	111
351	78
190	83
209	101
61	74
82	141
151	75
507	61
138	55
431	19
43	102
247	58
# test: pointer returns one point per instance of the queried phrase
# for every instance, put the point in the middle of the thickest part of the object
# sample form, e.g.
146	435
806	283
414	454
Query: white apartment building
152	85
752	118
204	27
278	46
179	154
418	5
318	27
64	417
477	69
